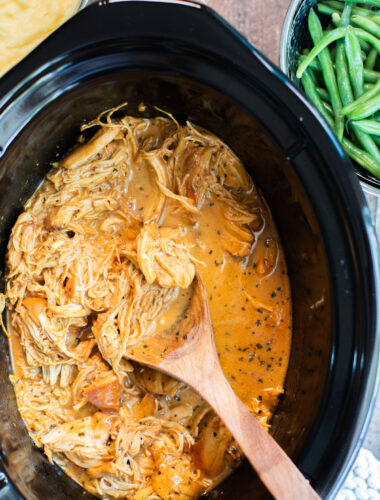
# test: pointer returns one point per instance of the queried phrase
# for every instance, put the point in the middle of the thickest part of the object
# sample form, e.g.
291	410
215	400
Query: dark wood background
259	20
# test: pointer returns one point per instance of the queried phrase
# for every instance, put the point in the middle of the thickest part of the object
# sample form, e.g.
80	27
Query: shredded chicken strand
89	273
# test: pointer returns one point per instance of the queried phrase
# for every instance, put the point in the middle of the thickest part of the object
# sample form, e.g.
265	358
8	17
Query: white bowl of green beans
331	50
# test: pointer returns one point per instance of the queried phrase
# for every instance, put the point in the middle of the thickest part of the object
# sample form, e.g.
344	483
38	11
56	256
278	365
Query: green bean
343	18
355	63
367	24
312	72
346	15
368	37
342	75
323	94
316	33
364	45
375	19
325	9
375	3
377	140
361	157
312	94
368	126
338	6
371	76
365	109
319	46
336	19
371	59
328	108
334	5
314	65
331	37
356	72
314	77
368	143
346	72
362	99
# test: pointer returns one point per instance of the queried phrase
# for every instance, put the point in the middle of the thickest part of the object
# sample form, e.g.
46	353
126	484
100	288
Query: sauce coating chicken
103	256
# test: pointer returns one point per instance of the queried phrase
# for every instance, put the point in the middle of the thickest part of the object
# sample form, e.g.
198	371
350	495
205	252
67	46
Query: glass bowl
294	37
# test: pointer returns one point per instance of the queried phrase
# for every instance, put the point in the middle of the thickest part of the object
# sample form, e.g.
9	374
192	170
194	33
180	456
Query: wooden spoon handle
200	368
274	467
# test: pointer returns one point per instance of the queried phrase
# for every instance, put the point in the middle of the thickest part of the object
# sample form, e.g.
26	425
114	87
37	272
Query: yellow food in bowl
25	23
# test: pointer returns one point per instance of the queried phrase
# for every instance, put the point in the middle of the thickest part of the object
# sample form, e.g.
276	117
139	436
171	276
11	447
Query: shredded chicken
91	271
163	255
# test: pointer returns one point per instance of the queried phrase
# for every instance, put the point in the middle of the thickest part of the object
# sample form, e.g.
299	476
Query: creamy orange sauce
252	337
250	306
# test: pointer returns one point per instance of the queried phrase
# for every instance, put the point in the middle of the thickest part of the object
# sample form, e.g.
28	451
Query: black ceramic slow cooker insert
185	59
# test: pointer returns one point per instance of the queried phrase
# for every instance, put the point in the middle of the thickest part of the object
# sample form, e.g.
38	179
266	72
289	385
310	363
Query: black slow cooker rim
243	59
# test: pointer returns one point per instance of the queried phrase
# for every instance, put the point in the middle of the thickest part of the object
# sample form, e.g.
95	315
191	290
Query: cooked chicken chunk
84	441
163	255
105	392
88	151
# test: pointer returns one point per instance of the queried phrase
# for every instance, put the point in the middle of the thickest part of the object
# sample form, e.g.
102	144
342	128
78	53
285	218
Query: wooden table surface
259	20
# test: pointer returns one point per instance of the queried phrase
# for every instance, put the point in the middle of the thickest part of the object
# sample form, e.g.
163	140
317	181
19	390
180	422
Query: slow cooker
183	58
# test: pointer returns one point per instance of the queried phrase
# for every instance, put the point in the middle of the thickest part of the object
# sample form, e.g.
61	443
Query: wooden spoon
186	351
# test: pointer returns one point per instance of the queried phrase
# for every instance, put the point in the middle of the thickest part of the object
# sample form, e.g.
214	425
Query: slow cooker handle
112	21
